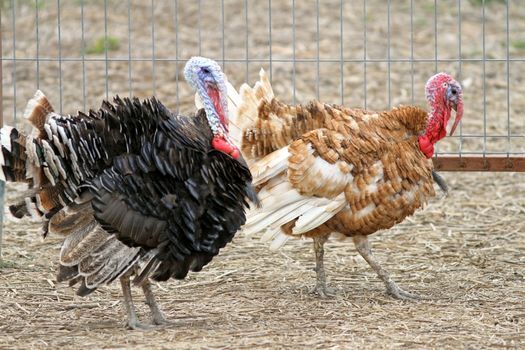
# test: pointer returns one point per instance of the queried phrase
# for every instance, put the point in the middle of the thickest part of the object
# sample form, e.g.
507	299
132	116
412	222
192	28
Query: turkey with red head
134	187
325	169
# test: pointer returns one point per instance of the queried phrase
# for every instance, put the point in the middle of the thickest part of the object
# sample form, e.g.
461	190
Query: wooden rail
480	163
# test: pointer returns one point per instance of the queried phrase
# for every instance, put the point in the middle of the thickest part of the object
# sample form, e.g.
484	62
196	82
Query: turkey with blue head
134	188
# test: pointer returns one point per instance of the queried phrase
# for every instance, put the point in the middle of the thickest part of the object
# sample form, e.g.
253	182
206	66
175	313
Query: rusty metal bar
503	163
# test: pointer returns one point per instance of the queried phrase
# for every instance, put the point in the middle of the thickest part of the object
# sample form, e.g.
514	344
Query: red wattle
220	144
215	97
426	146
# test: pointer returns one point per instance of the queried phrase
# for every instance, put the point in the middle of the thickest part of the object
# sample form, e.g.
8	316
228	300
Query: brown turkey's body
368	161
325	169
380	192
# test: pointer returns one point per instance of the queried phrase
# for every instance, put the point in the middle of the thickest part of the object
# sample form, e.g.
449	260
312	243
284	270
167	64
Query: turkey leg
133	321
157	316
363	247
320	286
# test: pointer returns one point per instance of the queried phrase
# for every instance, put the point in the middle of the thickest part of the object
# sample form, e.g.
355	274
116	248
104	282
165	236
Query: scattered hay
464	253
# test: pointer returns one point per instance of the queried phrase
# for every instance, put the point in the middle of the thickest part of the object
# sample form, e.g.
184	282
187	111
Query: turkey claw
324	292
139	326
401	294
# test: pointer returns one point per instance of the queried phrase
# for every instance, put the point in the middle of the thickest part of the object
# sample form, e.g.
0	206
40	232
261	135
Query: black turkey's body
133	187
151	178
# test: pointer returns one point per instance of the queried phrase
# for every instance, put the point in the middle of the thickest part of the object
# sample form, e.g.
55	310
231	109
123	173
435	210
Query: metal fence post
2	183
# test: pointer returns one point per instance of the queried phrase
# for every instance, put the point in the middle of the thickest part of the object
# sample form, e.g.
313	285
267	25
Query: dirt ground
463	253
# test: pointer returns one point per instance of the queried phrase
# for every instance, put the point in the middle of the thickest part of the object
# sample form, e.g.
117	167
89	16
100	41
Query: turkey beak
458	107
211	84
456	99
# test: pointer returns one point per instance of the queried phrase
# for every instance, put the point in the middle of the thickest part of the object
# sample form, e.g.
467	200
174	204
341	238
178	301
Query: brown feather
37	111
372	158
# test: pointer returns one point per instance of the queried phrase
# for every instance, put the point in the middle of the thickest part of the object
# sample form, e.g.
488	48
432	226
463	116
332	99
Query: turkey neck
436	128
211	97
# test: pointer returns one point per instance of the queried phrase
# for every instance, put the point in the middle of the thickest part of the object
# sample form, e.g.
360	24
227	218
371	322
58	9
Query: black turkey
134	188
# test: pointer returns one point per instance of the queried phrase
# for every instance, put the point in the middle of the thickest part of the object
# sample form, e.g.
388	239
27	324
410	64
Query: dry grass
464	252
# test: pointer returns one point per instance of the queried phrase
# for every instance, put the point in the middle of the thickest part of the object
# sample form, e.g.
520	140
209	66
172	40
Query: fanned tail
13	157
243	105
19	159
37	110
250	99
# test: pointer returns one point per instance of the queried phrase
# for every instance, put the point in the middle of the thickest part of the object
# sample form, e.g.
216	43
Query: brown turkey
325	169
134	187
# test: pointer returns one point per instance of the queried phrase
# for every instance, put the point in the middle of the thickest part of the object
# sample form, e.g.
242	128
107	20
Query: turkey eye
445	85
205	70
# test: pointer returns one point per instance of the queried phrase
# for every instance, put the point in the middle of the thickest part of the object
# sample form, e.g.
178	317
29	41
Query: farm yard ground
463	253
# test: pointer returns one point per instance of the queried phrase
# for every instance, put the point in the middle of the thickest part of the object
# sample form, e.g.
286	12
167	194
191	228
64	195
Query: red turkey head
443	94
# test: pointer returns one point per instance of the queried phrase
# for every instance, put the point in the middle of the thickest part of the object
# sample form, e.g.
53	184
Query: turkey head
206	77
443	94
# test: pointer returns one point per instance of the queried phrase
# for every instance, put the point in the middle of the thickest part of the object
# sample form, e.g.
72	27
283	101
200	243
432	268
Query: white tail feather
275	219
32	209
319	215
246	103
269	234
198	101
263	88
32	103
5	140
276	236
5	137
269	166
279	241
281	203
235	129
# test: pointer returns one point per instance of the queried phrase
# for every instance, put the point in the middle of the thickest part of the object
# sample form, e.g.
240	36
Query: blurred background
372	54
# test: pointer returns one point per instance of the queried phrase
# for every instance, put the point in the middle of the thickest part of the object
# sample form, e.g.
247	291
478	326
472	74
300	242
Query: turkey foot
323	291
363	247
397	292
133	321
320	287
157	316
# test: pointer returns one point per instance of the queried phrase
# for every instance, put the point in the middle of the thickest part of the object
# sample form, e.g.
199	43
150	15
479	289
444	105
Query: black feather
155	182
440	181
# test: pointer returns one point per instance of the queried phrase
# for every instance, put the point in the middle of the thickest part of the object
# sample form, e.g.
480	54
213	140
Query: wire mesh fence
372	54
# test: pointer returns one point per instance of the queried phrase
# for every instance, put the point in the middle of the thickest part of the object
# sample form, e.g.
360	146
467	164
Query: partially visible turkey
134	187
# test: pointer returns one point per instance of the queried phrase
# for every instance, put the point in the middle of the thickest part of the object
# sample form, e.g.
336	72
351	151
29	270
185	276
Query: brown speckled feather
325	168
272	124
89	254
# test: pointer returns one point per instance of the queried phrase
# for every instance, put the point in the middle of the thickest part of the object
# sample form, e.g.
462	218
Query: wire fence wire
374	54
